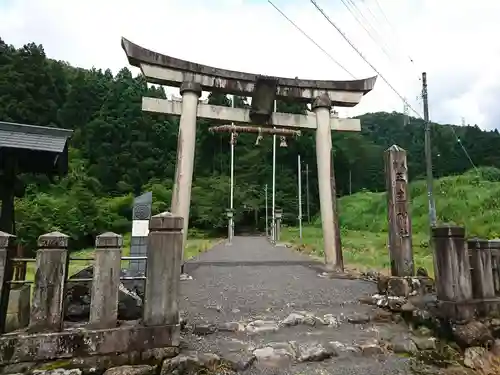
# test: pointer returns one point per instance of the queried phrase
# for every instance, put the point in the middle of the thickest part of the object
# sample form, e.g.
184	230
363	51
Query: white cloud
451	40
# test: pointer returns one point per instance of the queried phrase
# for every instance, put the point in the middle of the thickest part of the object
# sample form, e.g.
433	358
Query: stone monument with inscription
141	213
398	212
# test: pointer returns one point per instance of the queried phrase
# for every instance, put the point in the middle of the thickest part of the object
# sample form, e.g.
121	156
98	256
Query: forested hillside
118	151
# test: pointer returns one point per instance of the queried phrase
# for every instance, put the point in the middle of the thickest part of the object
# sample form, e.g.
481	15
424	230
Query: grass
471	200
193	247
362	250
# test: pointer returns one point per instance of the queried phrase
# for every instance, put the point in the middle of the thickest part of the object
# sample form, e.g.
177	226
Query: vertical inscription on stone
141	213
400	195
398	215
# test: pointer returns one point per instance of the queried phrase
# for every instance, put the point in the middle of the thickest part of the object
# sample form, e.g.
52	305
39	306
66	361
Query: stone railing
48	337
467	274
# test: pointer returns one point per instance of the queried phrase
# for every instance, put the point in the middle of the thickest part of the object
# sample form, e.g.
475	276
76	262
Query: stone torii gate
192	78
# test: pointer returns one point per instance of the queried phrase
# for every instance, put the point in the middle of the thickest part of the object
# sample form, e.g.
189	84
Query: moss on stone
63	363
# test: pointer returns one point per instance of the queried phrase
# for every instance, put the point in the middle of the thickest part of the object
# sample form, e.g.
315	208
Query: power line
311	39
351	7
463	147
383	45
385	80
391	28
387	21
378	35
363	57
383	14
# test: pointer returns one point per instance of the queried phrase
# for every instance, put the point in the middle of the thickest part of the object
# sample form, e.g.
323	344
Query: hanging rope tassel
283	141
233	138
259	137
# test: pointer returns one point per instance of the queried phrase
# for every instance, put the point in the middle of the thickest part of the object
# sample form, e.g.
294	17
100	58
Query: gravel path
252	280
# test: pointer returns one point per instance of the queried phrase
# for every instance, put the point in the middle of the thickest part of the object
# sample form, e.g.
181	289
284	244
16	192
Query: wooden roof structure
37	149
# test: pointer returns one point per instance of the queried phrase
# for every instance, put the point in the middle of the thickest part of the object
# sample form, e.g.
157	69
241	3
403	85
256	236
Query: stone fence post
495	264
165	247
398	212
106	281
6	273
482	270
230	226
277	233
51	271
454	286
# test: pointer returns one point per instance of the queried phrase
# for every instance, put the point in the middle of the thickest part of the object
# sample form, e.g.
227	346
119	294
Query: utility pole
273	224
267	218
428	153
299	173
350	182
307	194
231	202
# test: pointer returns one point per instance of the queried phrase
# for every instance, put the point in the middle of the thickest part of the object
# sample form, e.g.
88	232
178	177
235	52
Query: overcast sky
455	41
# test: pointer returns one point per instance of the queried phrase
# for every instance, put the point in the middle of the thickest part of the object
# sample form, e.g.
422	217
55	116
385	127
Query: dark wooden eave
37	149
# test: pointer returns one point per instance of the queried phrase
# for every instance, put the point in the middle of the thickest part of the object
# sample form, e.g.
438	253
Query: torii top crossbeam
170	71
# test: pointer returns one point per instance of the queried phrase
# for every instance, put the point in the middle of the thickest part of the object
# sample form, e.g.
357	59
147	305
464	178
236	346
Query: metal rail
25	260
123	278
122	258
33	260
22	282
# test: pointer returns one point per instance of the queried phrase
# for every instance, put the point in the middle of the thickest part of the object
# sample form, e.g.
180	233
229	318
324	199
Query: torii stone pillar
186	144
321	107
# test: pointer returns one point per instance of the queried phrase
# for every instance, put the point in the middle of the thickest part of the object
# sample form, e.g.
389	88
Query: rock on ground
77	299
259	326
473	333
189	362
313	352
275	355
425	343
403	345
478	358
58	371
131	370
